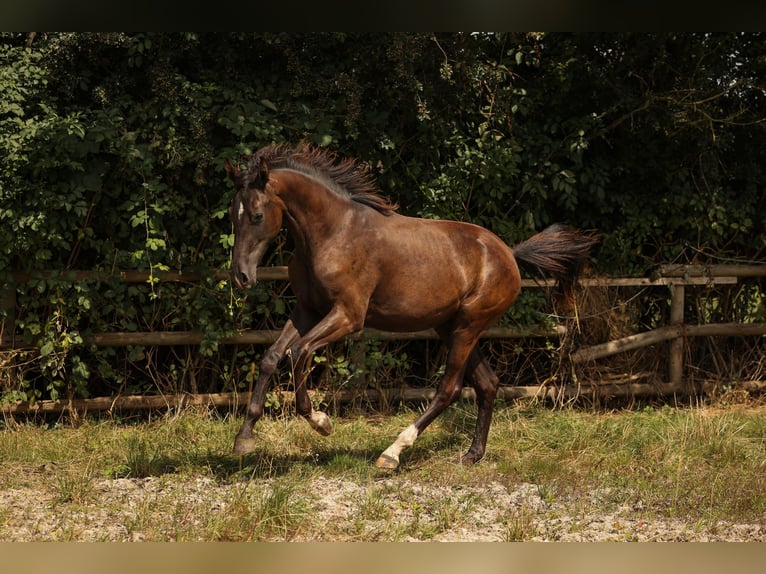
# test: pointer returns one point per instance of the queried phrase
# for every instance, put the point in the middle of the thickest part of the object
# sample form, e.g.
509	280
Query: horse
358	263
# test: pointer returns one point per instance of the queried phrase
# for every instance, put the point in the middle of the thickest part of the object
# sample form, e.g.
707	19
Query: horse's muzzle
241	279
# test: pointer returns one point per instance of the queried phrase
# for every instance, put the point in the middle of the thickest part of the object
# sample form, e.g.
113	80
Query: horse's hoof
321	423
469	458
243	446
386	462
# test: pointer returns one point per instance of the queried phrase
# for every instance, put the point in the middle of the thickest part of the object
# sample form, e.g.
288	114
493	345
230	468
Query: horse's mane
346	177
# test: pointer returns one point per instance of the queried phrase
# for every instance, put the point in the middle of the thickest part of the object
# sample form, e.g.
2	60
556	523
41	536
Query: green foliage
113	145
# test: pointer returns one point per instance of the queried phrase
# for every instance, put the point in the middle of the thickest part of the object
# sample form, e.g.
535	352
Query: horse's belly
409	313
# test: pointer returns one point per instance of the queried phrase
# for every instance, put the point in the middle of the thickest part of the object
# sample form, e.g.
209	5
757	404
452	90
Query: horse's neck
312	211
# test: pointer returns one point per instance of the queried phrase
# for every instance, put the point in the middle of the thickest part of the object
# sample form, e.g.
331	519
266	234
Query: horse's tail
559	251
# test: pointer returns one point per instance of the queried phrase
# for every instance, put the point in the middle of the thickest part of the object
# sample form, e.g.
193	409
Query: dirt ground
491	512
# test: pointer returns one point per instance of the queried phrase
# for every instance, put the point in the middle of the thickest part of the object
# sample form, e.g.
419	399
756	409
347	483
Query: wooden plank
663	334
626	344
676	359
276	273
492	333
725	330
279	273
343	396
740	270
8	304
162	338
660	281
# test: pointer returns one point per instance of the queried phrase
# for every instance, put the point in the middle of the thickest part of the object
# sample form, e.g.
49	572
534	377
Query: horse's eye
256	218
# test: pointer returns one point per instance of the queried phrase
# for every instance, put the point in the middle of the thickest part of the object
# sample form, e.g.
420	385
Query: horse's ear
231	170
263	172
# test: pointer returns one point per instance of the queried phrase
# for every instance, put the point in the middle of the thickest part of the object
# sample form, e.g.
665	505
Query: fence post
358	360
8	304
677	344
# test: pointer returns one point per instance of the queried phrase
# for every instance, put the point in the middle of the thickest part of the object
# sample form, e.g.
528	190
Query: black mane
346	177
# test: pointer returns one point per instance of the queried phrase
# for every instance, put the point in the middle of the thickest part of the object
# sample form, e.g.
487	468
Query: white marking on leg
406	438
241	211
320	422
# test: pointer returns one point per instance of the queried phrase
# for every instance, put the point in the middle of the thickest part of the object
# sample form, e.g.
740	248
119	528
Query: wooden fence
675	277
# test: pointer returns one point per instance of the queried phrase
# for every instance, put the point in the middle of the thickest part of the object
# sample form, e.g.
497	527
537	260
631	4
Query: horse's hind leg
244	441
461	344
485	382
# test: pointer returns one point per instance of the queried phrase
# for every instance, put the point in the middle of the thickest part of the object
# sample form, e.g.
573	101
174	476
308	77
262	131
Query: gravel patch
391	508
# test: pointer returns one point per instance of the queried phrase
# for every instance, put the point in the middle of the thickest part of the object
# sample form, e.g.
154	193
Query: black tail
559	251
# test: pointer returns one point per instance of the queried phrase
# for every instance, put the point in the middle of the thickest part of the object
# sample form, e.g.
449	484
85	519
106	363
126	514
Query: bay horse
358	263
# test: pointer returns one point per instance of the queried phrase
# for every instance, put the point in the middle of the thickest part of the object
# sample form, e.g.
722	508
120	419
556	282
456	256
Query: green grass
701	465
704	463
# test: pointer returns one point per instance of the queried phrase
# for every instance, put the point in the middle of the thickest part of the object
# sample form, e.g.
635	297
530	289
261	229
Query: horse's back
454	249
428	269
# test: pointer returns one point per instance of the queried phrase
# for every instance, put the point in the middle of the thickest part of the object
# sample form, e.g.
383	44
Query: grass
173	478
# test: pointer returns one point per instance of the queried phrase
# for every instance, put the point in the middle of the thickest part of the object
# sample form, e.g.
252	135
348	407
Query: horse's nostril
240	278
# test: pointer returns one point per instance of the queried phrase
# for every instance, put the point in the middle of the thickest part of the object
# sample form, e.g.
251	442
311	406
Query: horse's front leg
244	441
338	323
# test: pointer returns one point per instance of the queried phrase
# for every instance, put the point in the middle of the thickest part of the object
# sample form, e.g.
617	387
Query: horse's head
256	215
